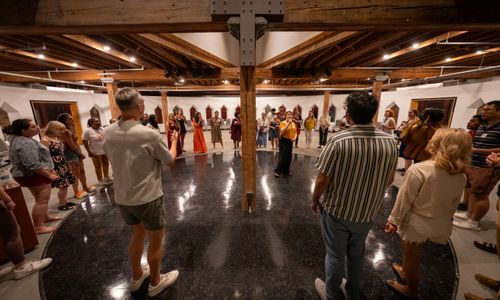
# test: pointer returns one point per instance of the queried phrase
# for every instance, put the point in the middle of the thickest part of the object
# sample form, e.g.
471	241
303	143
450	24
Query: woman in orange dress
198	138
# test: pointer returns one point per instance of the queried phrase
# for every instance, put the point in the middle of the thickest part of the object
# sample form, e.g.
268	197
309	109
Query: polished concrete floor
221	251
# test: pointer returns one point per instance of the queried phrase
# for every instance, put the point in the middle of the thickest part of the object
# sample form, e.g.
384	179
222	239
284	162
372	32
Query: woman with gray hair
51	139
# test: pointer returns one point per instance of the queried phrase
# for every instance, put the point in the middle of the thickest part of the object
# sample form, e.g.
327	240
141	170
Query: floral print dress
61	165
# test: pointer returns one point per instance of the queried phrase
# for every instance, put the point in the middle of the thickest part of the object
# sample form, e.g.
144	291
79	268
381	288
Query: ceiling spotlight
74	65
41	56
448	59
266	81
225	81
386	56
323	79
182	80
132	58
416	45
106	48
82	81
479	52
403	79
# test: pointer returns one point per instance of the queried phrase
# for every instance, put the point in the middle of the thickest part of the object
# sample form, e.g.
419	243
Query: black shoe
71	204
462	207
65	207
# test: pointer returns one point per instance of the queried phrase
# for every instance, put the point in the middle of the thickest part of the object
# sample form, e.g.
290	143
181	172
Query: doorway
46	111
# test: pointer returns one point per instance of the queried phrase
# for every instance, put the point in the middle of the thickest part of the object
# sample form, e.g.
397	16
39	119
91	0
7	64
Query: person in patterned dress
53	131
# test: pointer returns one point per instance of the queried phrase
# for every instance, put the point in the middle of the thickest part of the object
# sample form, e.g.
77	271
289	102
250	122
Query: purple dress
236	130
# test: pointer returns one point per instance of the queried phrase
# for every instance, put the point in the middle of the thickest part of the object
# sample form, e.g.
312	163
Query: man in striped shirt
481	178
355	168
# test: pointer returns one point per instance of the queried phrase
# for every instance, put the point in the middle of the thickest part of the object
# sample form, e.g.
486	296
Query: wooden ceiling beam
92	17
170	58
409	49
183	47
444	62
314	44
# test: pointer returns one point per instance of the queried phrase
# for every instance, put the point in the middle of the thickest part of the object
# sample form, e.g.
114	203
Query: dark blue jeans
343	239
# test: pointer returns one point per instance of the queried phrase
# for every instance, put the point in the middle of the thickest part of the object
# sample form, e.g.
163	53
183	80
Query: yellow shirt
309	123
291	132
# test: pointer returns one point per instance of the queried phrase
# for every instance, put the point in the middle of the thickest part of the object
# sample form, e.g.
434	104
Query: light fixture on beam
266	81
479	52
132	58
448	59
182	80
225	81
416	45
82	81
106	48
323	79
74	65
41	56
386	56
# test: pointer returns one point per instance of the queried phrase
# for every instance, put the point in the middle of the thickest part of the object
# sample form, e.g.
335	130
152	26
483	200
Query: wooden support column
248	118
326	102
377	92
115	111
164	109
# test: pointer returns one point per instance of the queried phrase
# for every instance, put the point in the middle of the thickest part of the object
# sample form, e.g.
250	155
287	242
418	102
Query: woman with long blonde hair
426	202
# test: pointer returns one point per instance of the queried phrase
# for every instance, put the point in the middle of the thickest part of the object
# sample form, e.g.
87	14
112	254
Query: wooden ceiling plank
444	62
167	56
185	48
423	44
316	43
369	47
89	42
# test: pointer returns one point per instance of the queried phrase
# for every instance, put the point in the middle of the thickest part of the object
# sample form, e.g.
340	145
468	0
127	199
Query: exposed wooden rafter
316	43
181	46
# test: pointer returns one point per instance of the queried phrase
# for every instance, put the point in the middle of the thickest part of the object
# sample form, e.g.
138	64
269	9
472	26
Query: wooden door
447	104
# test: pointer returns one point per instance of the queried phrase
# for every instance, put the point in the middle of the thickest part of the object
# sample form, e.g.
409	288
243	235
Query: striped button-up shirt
359	162
486	137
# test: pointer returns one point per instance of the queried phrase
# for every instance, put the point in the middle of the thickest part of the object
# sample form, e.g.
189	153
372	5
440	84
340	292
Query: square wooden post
377	92
115	111
164	109
248	118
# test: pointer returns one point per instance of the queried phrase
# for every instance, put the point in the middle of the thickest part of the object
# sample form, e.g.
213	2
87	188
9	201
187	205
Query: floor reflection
223	253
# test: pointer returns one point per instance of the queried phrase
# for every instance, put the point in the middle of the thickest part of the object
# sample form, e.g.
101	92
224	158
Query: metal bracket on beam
248	27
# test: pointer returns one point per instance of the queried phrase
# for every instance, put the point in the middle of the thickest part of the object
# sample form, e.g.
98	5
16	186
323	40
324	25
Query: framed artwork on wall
445	103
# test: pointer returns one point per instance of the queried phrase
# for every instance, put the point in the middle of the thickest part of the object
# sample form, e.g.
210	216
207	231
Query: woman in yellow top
309	125
288	134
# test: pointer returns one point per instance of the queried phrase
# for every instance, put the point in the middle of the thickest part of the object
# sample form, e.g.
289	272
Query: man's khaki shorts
482	180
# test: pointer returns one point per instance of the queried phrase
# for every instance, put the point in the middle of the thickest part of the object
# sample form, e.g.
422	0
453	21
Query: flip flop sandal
392	284
65	207
398	269
71	204
485	246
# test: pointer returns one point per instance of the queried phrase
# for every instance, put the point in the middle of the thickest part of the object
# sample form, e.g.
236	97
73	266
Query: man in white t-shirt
137	154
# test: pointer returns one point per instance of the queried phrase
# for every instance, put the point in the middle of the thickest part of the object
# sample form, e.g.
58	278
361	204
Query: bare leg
478	206
62	195
155	254
75	169
40	209
105	165
135	250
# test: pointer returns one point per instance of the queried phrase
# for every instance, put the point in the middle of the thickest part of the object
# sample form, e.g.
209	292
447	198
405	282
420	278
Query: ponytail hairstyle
450	149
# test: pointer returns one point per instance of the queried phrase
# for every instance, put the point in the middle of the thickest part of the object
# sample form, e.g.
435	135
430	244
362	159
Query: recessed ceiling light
74	65
40	56
448	59
106	48
416	45
479	52
132	58
386	56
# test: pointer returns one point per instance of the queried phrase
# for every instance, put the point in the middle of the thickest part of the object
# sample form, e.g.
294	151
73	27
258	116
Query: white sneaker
166	280
320	288
461	215
6	271
136	284
31	267
107	180
467	224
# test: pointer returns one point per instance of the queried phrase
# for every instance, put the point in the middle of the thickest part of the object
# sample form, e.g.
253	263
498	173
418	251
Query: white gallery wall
16	101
